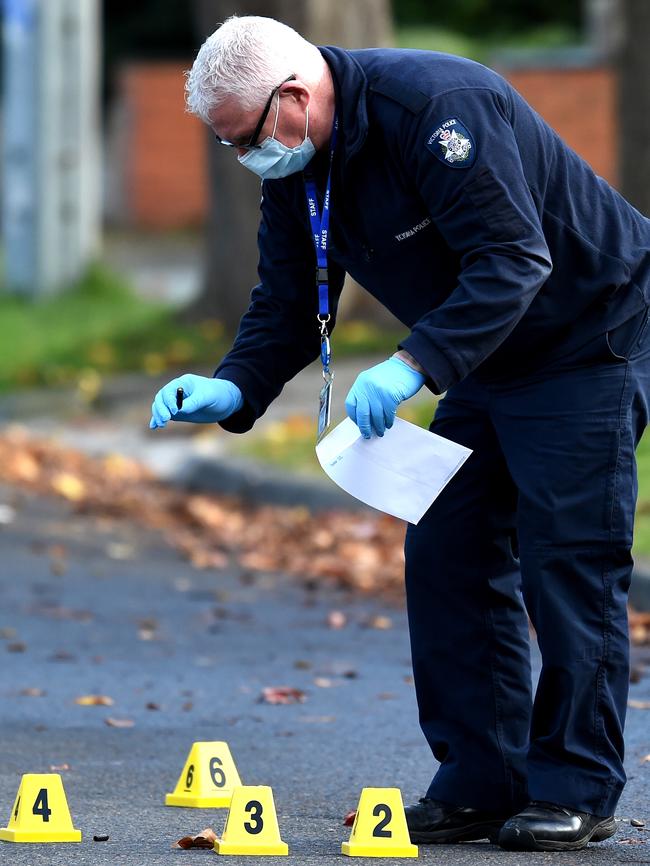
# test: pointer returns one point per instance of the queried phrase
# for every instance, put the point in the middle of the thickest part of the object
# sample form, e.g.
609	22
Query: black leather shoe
431	821
549	827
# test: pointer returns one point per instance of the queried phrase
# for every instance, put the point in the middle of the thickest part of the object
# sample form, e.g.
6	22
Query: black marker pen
180	396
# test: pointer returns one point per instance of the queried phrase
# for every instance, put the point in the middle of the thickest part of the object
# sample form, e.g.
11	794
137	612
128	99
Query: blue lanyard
320	223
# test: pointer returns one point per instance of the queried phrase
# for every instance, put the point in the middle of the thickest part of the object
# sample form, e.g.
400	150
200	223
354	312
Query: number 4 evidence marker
40	813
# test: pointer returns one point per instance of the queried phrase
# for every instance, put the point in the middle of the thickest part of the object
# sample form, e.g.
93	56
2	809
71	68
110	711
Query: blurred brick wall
580	104
165	172
164	178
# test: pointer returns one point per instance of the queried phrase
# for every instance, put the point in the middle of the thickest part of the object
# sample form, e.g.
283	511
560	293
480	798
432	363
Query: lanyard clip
325	351
322	275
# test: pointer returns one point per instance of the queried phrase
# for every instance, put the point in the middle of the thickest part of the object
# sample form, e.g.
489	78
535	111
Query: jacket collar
350	86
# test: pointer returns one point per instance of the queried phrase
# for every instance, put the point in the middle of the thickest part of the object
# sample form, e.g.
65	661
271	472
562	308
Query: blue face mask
272	159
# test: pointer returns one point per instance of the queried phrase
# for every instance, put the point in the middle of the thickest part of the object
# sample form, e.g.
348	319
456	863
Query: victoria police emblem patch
453	144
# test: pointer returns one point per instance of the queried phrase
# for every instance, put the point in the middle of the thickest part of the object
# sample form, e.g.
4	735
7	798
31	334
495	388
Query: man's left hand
373	399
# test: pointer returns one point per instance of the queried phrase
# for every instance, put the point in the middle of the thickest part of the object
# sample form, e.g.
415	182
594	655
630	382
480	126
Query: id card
324	406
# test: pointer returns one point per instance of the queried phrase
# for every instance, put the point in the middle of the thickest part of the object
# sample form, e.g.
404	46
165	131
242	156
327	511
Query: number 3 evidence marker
40	812
251	825
208	778
379	828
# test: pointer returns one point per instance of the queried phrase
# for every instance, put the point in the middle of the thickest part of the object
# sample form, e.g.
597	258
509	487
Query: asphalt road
103	608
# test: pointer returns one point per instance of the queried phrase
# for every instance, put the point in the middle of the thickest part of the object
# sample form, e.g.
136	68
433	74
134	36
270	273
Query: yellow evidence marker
208	778
40	812
251	825
379	828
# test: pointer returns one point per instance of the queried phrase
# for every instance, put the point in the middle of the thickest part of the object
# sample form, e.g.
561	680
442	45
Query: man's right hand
206	401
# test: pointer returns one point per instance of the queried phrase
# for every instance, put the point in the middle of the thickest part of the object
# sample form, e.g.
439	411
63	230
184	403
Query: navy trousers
538	521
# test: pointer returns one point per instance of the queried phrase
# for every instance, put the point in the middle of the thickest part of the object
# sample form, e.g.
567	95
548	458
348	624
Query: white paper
400	473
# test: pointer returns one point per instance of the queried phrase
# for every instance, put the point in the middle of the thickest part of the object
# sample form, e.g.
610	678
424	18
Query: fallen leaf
323	683
58	768
7	633
25	467
639	705
62	656
386	696
31	693
636	674
348	821
636	822
116	550
119	723
282	695
380	622
636	841
205	839
94	701
187	706
302	665
7	514
336	619
408	679
152	705
69	486
16	647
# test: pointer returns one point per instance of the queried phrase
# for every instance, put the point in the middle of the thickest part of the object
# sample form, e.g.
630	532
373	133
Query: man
524	280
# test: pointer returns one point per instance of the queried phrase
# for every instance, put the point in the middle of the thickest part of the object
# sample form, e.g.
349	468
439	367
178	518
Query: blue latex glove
206	401
377	392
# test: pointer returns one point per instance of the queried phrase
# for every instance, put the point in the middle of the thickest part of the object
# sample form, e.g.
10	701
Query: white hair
246	58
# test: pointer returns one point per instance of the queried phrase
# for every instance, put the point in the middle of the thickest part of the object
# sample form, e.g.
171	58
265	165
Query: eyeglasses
252	143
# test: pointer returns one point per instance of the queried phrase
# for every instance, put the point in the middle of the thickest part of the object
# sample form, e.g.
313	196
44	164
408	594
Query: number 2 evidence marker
380	828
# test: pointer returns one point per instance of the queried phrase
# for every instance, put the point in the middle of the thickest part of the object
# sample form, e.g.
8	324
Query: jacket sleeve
483	208
278	335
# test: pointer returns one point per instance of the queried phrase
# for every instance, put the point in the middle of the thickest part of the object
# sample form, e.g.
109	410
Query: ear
297	91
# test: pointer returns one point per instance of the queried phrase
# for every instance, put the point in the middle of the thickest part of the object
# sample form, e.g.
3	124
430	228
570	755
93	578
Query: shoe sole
524	840
470	833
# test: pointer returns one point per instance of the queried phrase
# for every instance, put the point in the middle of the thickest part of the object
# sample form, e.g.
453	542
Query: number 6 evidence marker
207	779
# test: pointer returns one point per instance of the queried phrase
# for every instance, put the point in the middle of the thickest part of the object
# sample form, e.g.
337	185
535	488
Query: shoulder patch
453	144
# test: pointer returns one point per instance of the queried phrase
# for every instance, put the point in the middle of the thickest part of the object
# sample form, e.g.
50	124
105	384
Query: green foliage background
482	17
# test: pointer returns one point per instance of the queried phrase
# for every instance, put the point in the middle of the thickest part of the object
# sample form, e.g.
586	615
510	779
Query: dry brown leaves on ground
205	839
282	695
361	552
639	627
94	701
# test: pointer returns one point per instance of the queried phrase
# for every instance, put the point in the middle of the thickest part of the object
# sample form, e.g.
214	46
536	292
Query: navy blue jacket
460	210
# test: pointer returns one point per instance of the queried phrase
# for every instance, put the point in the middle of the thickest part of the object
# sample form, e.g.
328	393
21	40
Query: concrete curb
258	484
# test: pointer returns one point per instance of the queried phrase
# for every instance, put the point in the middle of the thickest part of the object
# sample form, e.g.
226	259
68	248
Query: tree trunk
634	104
231	232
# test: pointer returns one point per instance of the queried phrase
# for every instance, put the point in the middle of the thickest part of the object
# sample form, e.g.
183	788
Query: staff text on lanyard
320	230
